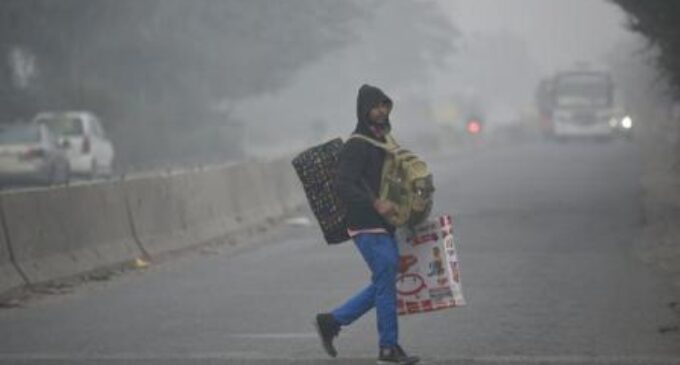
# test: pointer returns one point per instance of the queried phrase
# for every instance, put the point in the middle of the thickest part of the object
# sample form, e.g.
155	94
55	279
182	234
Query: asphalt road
545	237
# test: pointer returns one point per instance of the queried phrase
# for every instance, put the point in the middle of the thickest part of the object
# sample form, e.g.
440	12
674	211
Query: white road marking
299	222
266	336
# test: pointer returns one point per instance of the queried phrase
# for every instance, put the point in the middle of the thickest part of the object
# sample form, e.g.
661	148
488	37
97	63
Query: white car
88	150
30	154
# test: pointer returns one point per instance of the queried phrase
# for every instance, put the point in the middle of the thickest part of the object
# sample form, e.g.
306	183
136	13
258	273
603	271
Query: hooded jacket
360	165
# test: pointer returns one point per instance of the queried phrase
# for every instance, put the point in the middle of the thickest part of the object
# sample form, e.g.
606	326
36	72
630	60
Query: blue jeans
382	256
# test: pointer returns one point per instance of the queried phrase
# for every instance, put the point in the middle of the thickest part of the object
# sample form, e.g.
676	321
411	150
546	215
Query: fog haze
501	50
557	32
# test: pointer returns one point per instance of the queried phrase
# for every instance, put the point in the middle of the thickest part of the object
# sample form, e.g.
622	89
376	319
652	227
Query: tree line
659	22
150	65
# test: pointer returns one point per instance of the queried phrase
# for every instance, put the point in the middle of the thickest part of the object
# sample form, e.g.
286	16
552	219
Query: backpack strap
390	146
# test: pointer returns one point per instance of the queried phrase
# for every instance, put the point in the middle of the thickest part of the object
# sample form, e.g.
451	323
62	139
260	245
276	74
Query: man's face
380	112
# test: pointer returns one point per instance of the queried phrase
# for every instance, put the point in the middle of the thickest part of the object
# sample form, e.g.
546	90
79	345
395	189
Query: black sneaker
396	355
328	329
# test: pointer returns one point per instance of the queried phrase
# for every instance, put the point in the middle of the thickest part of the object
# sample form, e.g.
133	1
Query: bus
582	104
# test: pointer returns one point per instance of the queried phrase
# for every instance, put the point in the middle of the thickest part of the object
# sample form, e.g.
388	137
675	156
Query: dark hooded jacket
360	166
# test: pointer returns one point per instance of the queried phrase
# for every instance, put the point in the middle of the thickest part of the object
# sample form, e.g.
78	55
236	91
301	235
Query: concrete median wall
9	276
210	207
157	211
252	203
180	210
184	209
288	189
62	232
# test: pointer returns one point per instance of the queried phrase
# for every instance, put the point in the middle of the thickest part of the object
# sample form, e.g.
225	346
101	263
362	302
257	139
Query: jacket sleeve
349	184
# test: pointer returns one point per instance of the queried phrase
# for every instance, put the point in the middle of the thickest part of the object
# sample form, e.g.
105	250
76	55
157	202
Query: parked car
88	150
30	154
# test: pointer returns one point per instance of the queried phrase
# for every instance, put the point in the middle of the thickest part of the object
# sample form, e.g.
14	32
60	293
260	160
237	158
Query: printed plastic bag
429	275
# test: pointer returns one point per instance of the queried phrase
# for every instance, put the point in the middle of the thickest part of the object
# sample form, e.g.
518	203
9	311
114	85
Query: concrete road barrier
270	189
288	188
209	209
9	276
157	211
246	184
62	232
181	210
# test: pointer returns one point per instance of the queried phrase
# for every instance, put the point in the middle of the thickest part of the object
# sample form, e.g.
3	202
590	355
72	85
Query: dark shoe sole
411	362
380	362
326	346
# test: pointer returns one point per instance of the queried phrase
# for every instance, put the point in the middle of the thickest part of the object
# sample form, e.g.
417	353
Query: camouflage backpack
406	182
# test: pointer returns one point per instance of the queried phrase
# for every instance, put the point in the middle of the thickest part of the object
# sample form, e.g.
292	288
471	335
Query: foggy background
500	51
184	83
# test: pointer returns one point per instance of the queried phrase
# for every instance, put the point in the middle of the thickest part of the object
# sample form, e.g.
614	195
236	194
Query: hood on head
368	97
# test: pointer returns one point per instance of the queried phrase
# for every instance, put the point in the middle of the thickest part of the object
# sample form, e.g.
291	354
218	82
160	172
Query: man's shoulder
363	140
355	143
355	148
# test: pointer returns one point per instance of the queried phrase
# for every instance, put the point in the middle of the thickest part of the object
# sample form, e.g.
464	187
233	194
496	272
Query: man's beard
380	128
379	123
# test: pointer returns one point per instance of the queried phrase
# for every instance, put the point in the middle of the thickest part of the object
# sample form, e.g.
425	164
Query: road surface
545	238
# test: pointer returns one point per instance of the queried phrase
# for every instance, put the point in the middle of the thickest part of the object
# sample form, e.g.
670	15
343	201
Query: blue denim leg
380	253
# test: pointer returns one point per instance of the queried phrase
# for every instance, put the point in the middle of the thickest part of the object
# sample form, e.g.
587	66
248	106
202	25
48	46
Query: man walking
358	184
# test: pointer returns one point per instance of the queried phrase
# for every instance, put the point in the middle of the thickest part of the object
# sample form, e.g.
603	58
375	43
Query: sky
558	32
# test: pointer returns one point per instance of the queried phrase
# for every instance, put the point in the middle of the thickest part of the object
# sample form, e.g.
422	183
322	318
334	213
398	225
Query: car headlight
627	122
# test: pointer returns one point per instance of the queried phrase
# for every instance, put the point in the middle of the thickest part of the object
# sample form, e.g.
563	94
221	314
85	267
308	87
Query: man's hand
384	207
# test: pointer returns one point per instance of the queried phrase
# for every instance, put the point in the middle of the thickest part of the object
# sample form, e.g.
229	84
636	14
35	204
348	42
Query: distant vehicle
583	104
580	104
30	154
88	150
